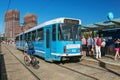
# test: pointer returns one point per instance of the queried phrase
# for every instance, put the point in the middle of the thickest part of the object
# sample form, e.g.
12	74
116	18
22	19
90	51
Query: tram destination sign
70	21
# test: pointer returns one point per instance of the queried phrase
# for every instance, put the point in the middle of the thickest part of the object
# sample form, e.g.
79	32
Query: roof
57	20
115	23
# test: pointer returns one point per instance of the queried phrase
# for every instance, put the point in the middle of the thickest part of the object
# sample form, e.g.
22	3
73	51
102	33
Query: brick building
12	22
30	20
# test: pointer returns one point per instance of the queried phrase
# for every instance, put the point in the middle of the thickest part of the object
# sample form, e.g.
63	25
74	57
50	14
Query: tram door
47	41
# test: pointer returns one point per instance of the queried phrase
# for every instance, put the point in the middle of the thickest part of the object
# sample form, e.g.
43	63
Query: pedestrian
98	47
103	44
117	48
89	45
84	47
93	47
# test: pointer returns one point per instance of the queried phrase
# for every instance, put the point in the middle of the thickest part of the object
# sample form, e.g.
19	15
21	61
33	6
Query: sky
89	11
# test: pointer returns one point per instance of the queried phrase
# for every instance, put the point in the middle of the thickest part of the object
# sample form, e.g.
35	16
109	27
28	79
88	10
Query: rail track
89	66
62	66
70	67
76	71
37	78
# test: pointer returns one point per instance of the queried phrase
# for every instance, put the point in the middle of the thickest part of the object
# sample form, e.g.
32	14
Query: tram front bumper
67	54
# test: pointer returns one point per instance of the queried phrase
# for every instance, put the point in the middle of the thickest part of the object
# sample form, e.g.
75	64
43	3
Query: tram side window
59	33
54	32
17	38
79	33
40	34
20	37
26	36
29	36
33	35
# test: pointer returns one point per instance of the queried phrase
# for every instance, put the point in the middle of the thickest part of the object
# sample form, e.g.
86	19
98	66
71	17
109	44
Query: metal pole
12	24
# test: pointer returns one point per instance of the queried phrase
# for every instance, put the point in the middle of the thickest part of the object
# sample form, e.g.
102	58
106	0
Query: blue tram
54	40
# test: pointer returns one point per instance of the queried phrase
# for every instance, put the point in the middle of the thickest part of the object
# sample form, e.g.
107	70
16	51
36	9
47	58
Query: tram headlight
64	49
80	48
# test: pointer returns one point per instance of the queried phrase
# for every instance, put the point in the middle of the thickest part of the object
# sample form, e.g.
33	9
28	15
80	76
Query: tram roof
115	23
53	21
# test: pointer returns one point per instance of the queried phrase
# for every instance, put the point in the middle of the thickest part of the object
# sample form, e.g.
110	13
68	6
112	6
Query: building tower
30	20
12	22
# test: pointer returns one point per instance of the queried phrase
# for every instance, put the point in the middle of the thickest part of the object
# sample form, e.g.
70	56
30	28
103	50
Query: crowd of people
97	46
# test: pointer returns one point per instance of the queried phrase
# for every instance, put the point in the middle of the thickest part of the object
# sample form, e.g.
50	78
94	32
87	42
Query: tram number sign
70	21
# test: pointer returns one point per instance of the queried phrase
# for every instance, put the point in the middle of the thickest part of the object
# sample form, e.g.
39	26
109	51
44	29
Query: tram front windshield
69	32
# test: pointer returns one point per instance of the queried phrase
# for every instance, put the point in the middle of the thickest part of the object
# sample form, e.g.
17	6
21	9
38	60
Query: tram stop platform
106	62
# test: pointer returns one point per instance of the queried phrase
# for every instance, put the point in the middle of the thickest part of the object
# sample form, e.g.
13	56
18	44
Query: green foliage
86	34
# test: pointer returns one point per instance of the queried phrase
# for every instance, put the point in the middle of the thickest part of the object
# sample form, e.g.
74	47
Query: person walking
117	48
93	47
89	45
84	46
103	44
98	47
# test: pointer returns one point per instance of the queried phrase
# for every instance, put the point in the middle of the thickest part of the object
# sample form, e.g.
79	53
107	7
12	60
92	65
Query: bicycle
34	62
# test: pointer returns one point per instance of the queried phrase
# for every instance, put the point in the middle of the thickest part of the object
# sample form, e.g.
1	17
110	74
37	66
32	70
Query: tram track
37	78
76	71
102	69
69	66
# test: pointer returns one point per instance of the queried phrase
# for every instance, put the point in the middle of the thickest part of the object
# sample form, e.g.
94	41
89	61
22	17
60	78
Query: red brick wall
12	23
30	20
12	19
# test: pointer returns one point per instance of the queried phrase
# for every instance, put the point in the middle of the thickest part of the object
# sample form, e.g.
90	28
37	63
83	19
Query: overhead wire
9	2
7	8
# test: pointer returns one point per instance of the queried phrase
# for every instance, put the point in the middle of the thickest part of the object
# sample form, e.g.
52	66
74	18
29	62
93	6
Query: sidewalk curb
103	64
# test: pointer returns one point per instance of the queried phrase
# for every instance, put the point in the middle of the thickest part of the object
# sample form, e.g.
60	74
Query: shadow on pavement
3	74
109	57
103	65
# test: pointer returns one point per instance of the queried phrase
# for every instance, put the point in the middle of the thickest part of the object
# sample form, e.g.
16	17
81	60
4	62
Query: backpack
30	45
98	42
